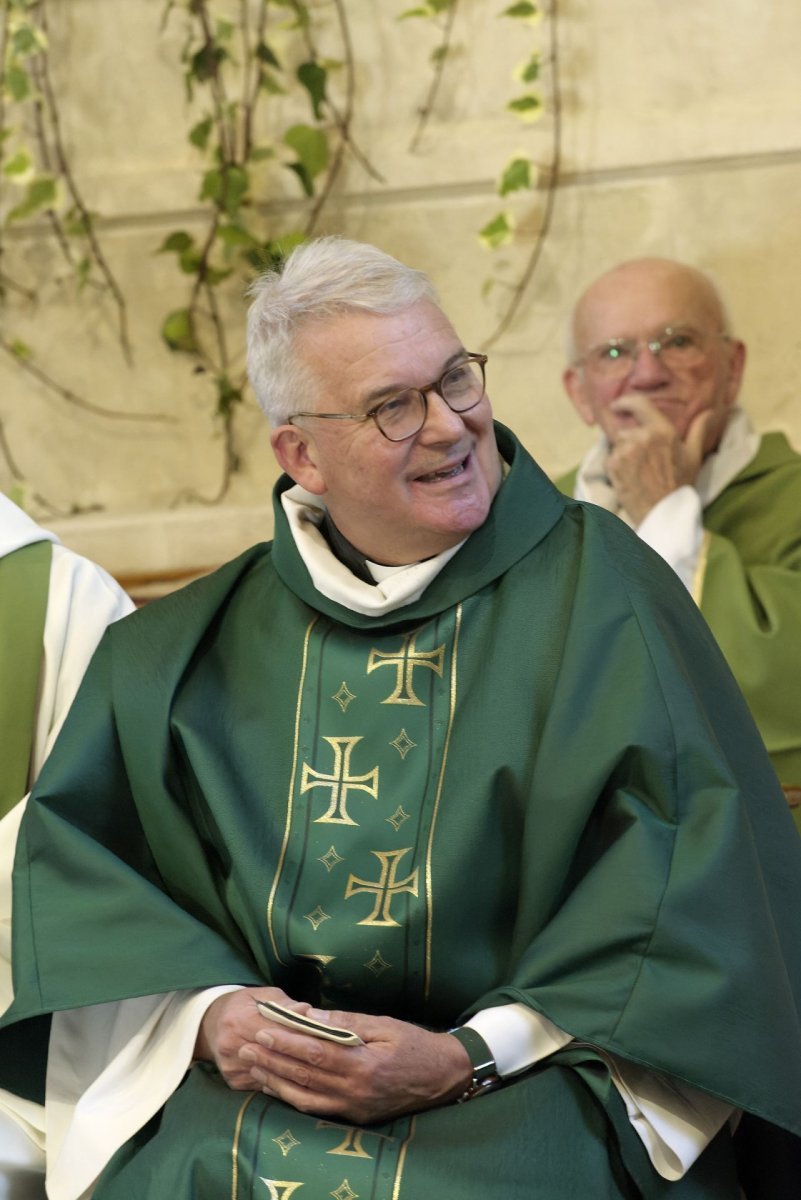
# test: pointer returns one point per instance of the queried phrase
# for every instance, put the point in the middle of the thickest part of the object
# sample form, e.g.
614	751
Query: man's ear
297	456
574	386
737	356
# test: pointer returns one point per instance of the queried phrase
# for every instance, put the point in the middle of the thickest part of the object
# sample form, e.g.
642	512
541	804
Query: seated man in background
54	606
454	765
654	363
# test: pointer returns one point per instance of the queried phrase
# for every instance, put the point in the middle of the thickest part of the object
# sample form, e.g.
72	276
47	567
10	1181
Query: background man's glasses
403	414
677	346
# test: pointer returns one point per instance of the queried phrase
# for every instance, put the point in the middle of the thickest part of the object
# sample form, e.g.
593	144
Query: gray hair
319	279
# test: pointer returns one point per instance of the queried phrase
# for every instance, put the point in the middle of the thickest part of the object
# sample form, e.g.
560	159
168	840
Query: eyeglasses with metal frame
403	414
677	346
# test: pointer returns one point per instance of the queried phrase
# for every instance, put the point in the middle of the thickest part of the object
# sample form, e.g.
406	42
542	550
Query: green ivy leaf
521	10
215	275
227	395
77	223
189	261
273	252
178	331
18	85
19	164
414	12
311	147
530	72
265	54
269	84
235	236
205	64
497	232
83	271
40	194
313	77
516	175
225	30
26	40
178	242
439	54
21	350
199	134
259	153
226	187
527	107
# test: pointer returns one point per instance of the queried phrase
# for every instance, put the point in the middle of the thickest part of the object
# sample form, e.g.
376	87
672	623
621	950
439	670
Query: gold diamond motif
287	1141
316	918
398	817
377	964
344	1192
344	696
330	859
403	743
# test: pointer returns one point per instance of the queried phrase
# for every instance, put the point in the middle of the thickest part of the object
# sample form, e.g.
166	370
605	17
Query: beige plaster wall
681	135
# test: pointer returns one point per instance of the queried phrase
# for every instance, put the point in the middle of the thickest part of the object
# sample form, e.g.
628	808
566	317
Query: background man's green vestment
537	783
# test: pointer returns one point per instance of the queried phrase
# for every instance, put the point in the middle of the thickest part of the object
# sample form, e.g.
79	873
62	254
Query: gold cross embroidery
386	888
404	662
340	781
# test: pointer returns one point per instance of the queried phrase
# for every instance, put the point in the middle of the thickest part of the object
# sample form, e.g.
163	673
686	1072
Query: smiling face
638	300
396	502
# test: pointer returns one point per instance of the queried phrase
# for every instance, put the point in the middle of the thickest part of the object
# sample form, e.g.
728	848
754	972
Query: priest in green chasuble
428	850
655	365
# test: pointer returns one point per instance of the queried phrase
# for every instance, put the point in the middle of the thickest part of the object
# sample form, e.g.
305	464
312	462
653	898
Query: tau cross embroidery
386	888
404	661
340	781
279	1188
351	1146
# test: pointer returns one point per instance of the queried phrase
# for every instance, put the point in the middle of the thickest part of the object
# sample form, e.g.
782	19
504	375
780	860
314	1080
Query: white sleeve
674	529
110	1068
675	1122
82	600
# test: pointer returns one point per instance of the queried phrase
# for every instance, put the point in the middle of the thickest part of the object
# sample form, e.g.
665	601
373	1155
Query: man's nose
441	423
648	370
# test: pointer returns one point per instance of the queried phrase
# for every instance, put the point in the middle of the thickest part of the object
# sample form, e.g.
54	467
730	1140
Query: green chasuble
24	587
749	590
537	783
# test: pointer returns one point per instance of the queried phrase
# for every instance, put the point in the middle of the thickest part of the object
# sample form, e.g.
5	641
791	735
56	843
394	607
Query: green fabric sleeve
24	587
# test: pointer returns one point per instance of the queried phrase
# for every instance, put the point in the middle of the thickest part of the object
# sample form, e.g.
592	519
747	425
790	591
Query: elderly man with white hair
654	363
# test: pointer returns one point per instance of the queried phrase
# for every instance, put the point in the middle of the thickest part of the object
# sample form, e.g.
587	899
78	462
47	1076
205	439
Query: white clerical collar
737	447
394	586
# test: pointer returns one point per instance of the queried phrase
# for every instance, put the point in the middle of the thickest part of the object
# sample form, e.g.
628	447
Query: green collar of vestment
774	451
487	554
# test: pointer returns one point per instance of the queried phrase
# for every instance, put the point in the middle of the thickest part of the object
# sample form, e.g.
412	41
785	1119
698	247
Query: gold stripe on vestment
440	783
288	824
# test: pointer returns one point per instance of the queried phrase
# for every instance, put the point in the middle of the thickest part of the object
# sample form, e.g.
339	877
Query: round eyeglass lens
402	416
463	386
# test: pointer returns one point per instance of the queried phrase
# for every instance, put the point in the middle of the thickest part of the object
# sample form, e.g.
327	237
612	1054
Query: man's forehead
378	349
642	299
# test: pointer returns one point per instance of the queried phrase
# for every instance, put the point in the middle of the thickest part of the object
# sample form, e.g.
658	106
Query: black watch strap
485	1073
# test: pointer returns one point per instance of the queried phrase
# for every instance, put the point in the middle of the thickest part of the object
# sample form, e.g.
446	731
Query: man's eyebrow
392	389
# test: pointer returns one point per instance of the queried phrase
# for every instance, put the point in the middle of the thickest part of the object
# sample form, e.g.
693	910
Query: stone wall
680	136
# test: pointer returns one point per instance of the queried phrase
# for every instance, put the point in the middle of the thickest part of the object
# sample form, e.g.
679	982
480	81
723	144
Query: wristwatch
485	1073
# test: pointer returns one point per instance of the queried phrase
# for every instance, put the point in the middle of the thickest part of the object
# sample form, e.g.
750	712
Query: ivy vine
241	73
237	68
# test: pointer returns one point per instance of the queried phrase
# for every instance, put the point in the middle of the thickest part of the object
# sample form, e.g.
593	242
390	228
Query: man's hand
400	1068
649	460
